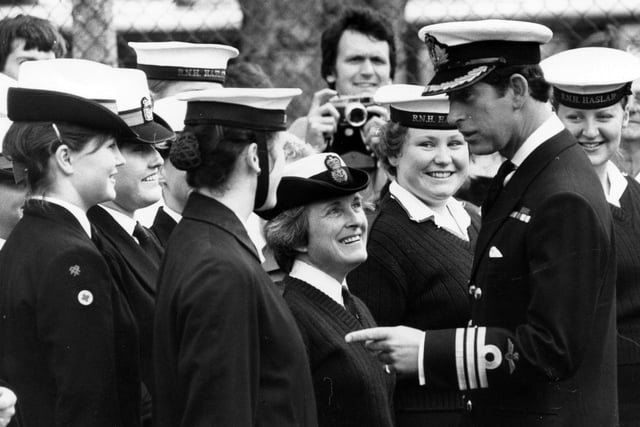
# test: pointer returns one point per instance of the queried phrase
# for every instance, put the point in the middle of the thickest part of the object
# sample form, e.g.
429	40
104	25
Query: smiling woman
318	234
421	244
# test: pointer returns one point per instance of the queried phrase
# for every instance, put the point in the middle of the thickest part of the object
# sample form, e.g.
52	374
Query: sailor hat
250	108
180	61
409	108
315	178
591	77
464	52
67	90
184	61
134	104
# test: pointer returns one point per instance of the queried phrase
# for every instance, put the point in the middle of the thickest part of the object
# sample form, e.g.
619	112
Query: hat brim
154	132
35	105
456	79
296	191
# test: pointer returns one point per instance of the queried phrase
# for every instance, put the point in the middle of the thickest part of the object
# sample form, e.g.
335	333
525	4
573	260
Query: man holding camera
358	56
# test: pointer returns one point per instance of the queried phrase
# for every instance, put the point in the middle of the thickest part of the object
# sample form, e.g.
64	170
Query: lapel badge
437	51
85	297
147	109
74	270
522	215
511	356
339	175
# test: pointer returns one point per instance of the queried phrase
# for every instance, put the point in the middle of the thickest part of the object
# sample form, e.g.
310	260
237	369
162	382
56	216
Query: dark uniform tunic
69	341
541	346
227	350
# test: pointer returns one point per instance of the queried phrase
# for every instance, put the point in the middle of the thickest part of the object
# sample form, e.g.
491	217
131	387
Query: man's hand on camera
322	120
372	130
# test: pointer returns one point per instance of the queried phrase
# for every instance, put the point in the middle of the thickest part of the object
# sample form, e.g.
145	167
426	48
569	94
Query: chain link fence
283	35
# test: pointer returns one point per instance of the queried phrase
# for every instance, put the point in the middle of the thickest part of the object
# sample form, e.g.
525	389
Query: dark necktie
147	242
496	185
349	304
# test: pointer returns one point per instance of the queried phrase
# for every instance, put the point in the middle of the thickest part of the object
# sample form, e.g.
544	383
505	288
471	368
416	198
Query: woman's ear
251	158
62	157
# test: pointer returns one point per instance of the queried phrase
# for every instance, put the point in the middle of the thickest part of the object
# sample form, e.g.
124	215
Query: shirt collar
254	230
76	211
551	127
173	214
2	242
318	279
618	184
128	224
418	211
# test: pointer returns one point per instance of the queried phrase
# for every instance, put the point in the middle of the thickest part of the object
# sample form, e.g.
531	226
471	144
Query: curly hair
365	21
391	143
286	232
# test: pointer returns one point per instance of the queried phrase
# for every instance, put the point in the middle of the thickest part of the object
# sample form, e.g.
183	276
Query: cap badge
338	174
437	51
85	297
147	109
74	270
511	356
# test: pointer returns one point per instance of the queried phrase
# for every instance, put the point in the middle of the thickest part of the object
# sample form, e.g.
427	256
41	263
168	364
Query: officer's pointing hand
396	346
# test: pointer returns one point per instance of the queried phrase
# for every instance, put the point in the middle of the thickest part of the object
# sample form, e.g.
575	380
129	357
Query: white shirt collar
318	279
254	230
76	211
173	214
618	184
418	211
2	242
128	224
551	127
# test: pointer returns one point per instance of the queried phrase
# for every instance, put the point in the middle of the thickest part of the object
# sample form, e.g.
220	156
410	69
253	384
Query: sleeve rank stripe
462	382
482	363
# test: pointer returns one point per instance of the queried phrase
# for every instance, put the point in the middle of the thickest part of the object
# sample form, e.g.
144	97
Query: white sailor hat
464	52
315	178
258	109
591	77
184	61
67	90
134	104
409	108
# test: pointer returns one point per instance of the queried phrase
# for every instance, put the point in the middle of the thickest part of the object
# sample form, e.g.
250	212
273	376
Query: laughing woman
591	102
318	235
69	341
421	244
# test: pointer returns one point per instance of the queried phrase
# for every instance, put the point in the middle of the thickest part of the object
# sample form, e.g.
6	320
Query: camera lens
355	114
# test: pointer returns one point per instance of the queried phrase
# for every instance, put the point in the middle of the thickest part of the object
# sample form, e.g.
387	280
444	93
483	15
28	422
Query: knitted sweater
417	275
626	220
351	386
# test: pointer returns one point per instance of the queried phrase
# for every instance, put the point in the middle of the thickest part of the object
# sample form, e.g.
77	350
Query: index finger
371	334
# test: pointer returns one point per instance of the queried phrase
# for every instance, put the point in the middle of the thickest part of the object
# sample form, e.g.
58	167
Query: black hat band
591	101
163	72
420	120
234	115
486	52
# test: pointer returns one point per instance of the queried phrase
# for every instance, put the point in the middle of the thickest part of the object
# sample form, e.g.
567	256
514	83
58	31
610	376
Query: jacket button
477	293
469	406
472	289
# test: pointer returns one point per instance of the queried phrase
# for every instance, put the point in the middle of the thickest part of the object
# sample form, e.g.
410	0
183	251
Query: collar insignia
511	356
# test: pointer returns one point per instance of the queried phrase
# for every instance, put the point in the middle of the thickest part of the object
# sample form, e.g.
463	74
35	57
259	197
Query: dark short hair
539	88
391	143
219	148
286	232
362	20
31	145
36	32
246	74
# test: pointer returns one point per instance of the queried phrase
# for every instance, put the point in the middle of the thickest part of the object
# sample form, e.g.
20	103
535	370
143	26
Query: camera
352	109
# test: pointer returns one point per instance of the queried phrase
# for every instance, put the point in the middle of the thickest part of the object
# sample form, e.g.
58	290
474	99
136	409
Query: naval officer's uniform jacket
540	348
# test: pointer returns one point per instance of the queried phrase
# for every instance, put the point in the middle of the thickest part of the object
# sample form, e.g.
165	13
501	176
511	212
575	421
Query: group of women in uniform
216	341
